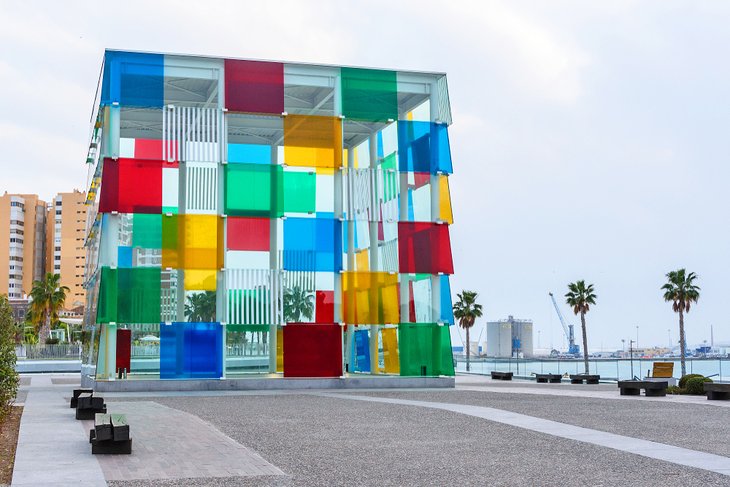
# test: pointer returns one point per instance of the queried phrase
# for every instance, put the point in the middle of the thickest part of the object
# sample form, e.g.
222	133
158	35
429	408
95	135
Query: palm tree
466	310
580	297
682	292
201	307
298	304
48	298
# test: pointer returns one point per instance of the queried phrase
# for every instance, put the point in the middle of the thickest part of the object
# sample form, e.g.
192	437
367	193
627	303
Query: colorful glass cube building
255	217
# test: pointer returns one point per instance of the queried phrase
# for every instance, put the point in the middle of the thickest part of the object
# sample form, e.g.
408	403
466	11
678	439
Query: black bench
87	405
110	435
717	390
588	378
651	388
501	375
551	378
77	392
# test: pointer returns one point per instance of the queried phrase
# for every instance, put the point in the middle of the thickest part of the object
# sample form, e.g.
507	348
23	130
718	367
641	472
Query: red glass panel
147	149
424	247
254	86
325	309
124	349
312	350
248	233
131	186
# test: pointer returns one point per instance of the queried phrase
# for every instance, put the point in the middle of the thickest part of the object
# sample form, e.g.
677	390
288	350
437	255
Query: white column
221	295
350	253
274	269
374	264
435	207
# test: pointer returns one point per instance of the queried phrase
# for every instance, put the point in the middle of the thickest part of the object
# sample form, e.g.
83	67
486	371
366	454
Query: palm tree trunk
682	344
468	367
585	339
45	329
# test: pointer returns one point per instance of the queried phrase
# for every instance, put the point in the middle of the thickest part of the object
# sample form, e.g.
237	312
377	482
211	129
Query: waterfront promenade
483	432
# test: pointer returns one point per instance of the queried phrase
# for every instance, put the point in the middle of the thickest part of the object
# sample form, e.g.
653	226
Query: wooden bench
110	435
501	375
75	397
551	378
717	391
588	378
634	387
87	405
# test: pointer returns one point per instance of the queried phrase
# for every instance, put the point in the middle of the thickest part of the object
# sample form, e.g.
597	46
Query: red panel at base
325	309
248	234
148	149
424	248
312	350
254	86
131	186
124	349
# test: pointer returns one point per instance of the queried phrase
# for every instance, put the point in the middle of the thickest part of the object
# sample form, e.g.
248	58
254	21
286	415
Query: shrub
8	376
685	378
674	390
694	385
52	341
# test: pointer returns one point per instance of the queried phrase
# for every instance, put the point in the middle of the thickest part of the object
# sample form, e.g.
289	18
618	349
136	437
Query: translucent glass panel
425	350
369	94
140	149
361	351
424	248
131	186
254	86
191	351
193	243
312	350
370	298
129	295
312	141
423	147
253	190
391	361
312	244
447	308
300	191
147	231
133	79
249	153
248	233
445	213
247	349
420	308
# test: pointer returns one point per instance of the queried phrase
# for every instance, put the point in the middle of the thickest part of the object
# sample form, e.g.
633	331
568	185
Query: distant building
65	254
509	338
22	243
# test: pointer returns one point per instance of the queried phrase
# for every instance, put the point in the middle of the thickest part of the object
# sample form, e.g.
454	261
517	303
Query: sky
589	138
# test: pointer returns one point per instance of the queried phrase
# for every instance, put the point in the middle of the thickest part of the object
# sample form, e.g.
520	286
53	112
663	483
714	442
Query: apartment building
22	243
65	253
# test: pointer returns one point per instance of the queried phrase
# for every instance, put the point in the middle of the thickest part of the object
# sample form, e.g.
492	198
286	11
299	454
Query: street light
631	352
623	345
637	336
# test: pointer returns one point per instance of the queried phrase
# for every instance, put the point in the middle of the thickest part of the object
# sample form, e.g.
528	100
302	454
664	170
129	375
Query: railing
609	369
250	349
60	351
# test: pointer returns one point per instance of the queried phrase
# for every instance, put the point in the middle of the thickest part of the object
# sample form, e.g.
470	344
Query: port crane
573	349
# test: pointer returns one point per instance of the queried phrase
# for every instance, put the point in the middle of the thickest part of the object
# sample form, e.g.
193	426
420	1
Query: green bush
695	385
674	390
8	376
52	341
685	378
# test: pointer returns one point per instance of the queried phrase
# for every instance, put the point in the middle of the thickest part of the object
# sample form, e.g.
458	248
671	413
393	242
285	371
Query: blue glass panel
124	256
423	147
133	79
191	351
249	153
447	310
362	351
312	244
381	151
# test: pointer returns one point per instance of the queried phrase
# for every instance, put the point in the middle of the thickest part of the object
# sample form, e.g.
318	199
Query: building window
20	223
58	249
16	232
17	204
16	240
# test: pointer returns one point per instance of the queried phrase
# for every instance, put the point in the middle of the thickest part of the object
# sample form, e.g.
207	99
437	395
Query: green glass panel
369	94
300	192
425	350
390	177
129	295
147	231
253	190
170	254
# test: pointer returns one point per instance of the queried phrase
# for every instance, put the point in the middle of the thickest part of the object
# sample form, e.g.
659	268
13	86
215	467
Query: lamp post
637	336
631	354
623	345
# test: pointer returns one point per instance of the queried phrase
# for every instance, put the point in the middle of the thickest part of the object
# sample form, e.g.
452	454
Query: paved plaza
483	432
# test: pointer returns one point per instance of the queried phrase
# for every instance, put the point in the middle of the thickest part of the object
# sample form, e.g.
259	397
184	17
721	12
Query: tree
580	297
8	375
298	304
466	310
48	298
682	292
201	307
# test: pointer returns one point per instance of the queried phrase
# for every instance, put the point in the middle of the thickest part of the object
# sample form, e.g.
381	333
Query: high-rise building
267	217
22	243
65	252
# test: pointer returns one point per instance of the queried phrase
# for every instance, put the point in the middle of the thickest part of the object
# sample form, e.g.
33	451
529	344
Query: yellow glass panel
279	350
312	141
200	280
362	260
445	213
192	242
390	351
370	298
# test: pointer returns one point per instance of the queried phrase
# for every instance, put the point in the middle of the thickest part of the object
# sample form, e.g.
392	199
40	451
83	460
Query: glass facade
267	218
